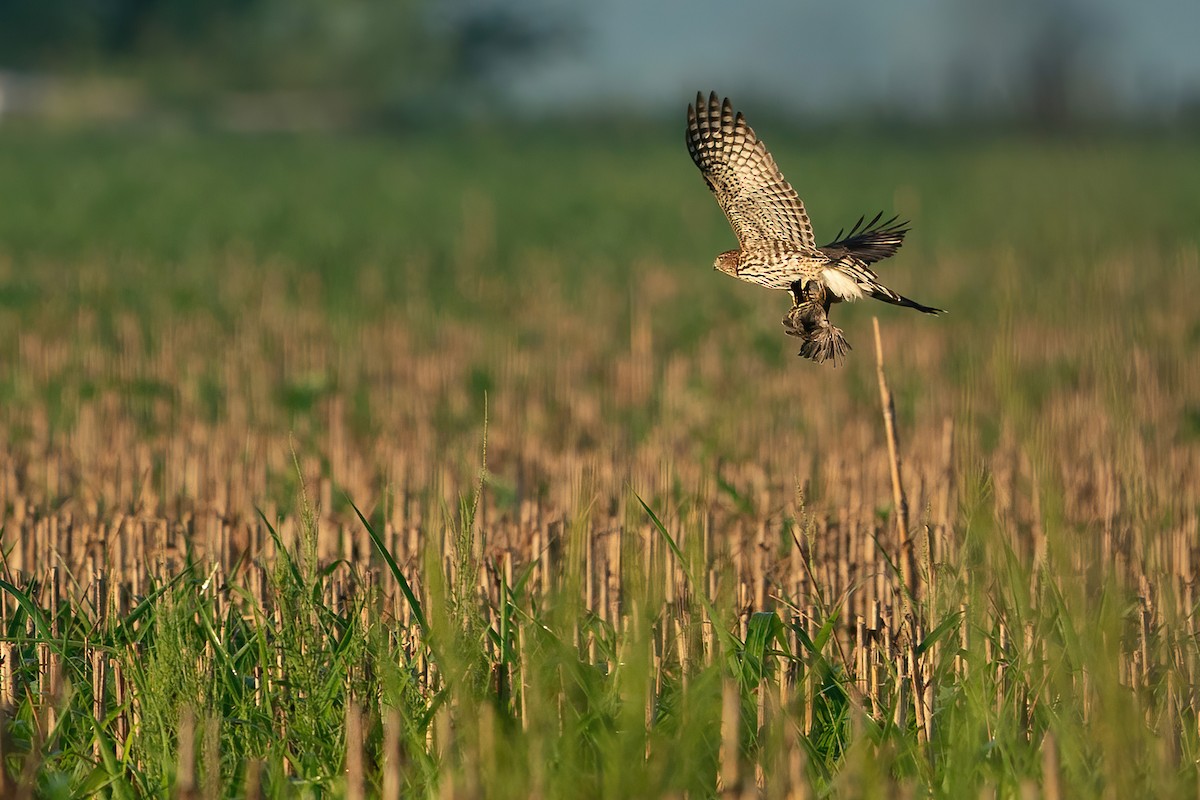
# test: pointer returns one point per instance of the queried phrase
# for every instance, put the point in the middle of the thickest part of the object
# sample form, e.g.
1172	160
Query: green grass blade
413	602
725	637
31	608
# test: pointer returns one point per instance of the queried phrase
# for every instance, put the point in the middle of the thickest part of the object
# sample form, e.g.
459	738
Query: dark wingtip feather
871	241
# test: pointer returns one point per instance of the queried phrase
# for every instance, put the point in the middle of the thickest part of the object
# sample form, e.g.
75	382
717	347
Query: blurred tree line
378	54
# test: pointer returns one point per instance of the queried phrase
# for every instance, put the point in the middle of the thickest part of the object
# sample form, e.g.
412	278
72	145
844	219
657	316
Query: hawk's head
727	262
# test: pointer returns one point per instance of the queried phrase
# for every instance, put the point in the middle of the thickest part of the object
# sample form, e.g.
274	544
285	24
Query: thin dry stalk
1051	782
797	781
252	782
185	763
731	720
99	696
355	780
393	755
911	577
212	758
443	734
6	785
907	571
8	674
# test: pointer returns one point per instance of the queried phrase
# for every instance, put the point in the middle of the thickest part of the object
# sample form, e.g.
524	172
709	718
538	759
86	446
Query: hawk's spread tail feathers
881	292
850	279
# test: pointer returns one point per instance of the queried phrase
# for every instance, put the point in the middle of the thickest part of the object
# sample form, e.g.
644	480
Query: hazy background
354	63
262	259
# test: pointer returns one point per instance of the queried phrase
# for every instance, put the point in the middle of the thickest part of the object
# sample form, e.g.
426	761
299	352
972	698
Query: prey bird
777	247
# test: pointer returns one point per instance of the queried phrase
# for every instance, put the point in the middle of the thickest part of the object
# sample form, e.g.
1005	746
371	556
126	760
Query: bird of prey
777	247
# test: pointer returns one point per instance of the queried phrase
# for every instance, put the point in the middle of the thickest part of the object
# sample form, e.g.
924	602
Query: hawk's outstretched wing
759	202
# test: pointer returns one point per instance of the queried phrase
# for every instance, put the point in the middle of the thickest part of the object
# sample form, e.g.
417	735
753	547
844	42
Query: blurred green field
1087	239
193	327
602	201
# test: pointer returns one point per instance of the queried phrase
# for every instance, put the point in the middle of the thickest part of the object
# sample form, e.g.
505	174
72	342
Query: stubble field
616	539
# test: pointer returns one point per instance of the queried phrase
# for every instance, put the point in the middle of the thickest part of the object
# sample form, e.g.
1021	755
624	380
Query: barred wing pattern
760	204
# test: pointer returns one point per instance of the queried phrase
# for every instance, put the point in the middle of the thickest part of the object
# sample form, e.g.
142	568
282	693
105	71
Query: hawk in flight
777	248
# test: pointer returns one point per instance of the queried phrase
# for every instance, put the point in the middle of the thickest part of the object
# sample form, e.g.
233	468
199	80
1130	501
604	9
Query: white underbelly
841	284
